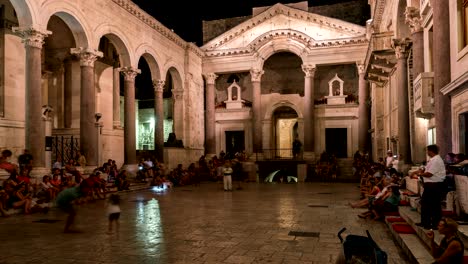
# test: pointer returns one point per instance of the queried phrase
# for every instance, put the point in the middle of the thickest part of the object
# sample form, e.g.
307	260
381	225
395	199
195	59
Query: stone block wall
357	12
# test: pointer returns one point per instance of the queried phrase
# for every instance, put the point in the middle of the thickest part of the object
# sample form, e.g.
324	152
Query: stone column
413	19
442	72
129	122
363	139
116	98
210	127
309	111
401	47
67	93
159	119
256	76
88	139
34	125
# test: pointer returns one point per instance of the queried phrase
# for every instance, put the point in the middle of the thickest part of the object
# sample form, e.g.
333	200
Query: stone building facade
70	68
415	55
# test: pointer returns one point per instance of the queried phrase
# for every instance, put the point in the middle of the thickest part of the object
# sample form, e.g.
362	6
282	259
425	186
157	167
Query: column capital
413	19
401	47
158	85
87	56
211	77
256	74
178	94
32	37
361	68
309	70
129	73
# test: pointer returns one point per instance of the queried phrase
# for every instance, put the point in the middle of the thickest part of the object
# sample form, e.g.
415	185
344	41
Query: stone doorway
235	142
336	142
284	131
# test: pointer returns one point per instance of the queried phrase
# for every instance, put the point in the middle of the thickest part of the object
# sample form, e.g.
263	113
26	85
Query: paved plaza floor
200	224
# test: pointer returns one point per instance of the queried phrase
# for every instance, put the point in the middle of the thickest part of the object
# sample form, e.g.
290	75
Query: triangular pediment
281	21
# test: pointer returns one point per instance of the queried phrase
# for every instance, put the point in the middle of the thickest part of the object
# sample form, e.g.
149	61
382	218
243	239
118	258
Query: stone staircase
345	170
417	246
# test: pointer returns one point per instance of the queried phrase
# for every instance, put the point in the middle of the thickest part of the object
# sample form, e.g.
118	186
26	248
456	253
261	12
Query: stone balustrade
423	90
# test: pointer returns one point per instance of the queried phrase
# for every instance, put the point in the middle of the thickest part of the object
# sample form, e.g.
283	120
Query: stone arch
25	12
118	39
152	58
72	17
176	76
283	103
289	41
402	29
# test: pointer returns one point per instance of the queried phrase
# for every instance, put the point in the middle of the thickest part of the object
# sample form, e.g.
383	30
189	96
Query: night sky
185	17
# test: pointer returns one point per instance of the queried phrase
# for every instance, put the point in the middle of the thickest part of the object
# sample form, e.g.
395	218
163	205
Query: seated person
71	168
3	202
451	248
47	189
18	200
389	204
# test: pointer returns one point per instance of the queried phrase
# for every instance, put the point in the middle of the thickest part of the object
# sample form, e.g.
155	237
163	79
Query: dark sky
185	17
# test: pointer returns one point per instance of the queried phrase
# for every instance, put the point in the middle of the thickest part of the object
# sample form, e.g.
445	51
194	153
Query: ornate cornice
137	12
378	14
87	56
280	9
309	70
309	43
256	74
158	85
130	73
32	37
413	19
210	78
401	47
195	49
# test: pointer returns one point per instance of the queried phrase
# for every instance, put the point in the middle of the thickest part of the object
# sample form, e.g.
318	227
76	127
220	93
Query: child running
113	210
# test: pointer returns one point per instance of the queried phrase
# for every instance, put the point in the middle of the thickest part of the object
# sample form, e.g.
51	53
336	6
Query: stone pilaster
401	47
210	127
363	138
116	98
67	93
34	125
256	75
129	74
88	139
158	86
442	72
179	113
309	109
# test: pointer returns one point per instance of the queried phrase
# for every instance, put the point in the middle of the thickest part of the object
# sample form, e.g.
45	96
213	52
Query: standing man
296	147
432	177
25	161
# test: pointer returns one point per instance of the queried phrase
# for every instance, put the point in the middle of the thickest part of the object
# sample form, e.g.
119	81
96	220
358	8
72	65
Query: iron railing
278	154
65	147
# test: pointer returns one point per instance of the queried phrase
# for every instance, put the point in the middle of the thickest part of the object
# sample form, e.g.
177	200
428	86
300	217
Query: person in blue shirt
66	201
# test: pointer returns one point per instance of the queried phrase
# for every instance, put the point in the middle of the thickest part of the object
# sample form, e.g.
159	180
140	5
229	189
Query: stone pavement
200	224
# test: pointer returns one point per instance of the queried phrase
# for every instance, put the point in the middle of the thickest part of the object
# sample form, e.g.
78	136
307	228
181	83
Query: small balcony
423	95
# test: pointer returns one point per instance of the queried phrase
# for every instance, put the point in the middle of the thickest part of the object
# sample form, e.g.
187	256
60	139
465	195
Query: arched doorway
285	129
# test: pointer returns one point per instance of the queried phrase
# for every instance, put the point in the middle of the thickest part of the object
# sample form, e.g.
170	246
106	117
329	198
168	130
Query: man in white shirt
433	178
389	159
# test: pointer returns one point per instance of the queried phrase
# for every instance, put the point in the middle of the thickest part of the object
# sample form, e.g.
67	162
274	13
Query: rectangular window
431	136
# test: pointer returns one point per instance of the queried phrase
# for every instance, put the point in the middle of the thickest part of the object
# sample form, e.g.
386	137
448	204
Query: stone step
415	246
